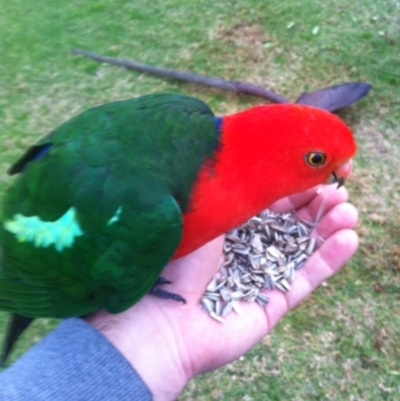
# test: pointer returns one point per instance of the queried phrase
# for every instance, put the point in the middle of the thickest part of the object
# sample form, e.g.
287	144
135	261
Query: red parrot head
285	149
266	153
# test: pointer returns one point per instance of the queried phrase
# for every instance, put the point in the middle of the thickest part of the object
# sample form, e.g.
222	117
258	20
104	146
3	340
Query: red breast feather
262	158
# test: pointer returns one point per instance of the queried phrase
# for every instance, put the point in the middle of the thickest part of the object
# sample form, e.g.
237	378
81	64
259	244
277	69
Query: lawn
344	342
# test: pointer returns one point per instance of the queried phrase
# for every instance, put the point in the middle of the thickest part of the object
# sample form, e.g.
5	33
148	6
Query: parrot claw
158	292
162	281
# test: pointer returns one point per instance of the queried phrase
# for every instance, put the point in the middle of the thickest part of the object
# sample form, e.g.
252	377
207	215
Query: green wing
96	212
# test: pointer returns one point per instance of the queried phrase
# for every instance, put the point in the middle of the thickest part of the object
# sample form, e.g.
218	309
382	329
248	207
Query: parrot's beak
340	175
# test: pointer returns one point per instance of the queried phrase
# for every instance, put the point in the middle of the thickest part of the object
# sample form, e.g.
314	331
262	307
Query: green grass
343	343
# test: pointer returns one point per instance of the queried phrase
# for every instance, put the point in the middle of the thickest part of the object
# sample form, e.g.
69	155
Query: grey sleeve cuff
74	362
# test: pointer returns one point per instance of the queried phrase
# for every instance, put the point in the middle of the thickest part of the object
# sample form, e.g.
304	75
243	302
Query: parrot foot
158	292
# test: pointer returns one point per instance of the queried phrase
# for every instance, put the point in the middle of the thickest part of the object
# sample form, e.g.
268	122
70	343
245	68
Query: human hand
169	343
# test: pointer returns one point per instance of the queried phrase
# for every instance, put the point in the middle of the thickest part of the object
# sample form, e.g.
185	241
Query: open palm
169	343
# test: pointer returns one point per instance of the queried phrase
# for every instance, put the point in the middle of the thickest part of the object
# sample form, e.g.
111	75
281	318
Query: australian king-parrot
102	203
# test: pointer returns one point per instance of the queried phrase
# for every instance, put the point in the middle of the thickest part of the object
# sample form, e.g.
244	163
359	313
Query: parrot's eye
316	159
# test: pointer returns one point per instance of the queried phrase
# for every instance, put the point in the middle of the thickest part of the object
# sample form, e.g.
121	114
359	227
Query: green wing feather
96	212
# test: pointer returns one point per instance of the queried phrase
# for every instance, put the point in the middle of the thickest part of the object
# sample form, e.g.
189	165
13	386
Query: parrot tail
16	326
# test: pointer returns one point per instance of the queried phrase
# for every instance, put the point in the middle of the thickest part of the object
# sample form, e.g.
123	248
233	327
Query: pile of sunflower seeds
264	253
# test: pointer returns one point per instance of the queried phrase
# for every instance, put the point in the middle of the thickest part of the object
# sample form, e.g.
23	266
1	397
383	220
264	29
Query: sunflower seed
212	296
262	299
256	243
237	308
225	294
216	317
218	308
262	254
310	246
227	308
207	305
283	285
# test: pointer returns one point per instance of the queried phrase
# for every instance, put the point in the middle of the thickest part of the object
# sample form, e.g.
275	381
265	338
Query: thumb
190	274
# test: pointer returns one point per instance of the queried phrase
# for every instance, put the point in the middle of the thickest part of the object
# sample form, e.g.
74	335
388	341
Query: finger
324	263
328	197
295	201
343	215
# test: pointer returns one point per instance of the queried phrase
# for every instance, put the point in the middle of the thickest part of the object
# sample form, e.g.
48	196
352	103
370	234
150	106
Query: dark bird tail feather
331	99
16	326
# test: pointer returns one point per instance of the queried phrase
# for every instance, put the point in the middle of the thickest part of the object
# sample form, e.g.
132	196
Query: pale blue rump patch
60	233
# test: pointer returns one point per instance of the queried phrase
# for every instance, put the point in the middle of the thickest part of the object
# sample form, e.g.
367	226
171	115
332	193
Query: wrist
152	352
